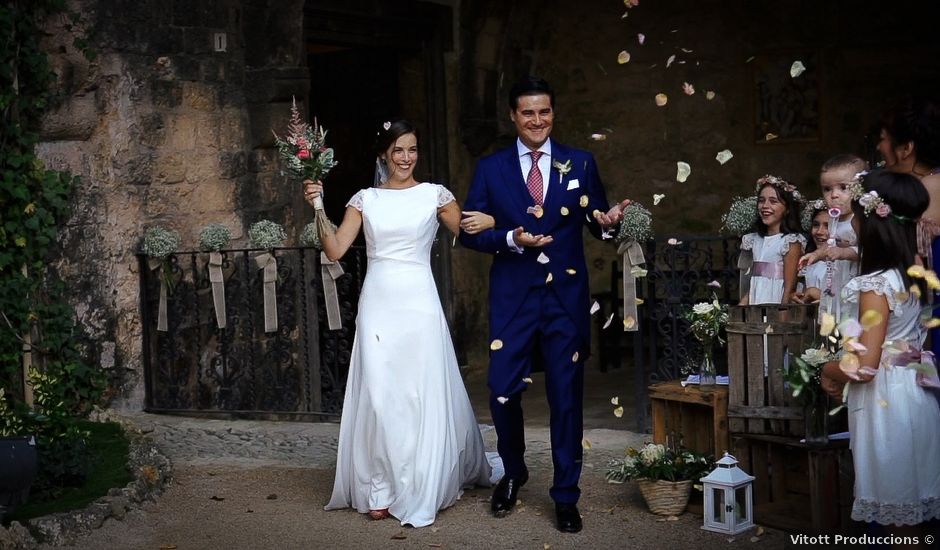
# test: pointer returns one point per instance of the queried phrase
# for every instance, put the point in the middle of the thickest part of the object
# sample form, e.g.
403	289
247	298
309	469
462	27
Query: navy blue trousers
541	325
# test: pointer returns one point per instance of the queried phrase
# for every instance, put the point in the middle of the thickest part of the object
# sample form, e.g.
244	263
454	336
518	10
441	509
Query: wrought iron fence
677	277
196	367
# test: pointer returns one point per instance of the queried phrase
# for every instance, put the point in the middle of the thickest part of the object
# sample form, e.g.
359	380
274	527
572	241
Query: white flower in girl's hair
386	125
870	201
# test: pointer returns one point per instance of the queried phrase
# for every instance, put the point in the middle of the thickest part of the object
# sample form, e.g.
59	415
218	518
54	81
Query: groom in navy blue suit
541	194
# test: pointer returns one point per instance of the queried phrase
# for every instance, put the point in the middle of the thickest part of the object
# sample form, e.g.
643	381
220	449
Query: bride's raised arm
335	244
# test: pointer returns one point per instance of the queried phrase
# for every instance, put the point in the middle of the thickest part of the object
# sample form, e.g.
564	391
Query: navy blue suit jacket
499	190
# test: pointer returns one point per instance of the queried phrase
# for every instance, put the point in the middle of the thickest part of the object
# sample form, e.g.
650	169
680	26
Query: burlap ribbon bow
218	288
745	261
329	272
268	263
632	258
156	264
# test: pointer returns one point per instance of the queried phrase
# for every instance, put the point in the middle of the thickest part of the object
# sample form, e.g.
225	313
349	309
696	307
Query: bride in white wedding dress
409	442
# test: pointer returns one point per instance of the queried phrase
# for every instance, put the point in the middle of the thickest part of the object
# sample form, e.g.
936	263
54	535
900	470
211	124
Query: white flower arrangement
266	234
310	236
214	237
160	243
637	224
741	217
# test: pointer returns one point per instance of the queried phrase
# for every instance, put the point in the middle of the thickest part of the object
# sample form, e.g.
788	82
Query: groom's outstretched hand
524	238
613	216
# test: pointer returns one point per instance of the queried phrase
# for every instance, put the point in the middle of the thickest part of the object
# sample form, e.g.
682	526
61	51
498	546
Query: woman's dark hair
387	136
891	242
915	119
530	85
810	241
791	216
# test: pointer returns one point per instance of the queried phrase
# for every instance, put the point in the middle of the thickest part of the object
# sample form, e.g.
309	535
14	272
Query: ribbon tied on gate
329	272
268	263
632	260
745	261
218	288
157	264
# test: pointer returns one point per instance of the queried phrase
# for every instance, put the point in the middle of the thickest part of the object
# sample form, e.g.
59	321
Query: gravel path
244	484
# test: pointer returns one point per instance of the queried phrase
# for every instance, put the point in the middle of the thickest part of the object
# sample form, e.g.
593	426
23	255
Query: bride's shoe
379	514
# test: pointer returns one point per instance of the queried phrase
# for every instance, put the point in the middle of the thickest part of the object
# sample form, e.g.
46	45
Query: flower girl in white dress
893	418
777	245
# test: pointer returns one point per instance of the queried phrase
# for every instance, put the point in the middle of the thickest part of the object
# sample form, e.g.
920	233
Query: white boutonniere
563	168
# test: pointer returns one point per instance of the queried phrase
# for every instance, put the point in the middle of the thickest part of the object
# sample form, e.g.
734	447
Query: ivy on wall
36	322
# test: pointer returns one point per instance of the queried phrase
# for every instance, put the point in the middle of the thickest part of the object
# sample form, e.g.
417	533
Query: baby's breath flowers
266	234
741	218
214	237
637	224
160	243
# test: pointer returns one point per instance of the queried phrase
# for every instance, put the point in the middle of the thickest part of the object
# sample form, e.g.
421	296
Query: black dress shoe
568	517
504	496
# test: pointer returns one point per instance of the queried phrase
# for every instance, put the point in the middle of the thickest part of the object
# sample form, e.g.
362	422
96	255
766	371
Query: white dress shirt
545	166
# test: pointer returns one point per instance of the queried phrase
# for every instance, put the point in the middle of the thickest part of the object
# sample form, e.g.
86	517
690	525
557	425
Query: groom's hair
530	85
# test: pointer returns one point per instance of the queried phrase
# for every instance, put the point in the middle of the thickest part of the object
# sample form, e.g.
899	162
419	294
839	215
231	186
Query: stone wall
163	130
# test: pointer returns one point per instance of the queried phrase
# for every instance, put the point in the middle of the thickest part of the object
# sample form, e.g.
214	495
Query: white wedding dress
408	438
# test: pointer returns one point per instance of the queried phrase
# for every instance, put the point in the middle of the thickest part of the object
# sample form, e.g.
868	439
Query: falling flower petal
682	171
548	279
657	199
542	259
595	213
933	283
709	95
595	307
618	412
883	403
770	137
535	211
851	328
661	99
723	156
599	137
527	380
670	60
687	88
871	319
637	271
714	284
641	38
607	234
623	57
585	443
639	301
574	358
583	201
827	325
496	345
854	346
915	291
564	210
615	400
609	319
628	323
570	271
797	69
502	400
686	50
932	323
673	241
849	365
749	59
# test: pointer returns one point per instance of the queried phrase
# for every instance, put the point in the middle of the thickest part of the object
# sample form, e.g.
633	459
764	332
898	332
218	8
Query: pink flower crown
871	202
779	183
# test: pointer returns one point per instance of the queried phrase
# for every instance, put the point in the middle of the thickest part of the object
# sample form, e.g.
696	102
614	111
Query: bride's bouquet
305	153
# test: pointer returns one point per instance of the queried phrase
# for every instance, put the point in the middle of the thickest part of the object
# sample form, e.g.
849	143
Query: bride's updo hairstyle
390	131
888	235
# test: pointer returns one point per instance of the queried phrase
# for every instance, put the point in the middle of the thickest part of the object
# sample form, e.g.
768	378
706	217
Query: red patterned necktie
534	181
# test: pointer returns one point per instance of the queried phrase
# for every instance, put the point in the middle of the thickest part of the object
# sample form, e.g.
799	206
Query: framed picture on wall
786	97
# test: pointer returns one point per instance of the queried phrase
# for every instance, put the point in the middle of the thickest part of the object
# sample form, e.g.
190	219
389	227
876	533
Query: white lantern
729	498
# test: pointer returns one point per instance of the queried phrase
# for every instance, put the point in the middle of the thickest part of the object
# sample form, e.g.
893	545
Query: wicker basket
666	498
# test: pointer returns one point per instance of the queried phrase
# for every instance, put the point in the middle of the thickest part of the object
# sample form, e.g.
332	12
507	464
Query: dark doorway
353	89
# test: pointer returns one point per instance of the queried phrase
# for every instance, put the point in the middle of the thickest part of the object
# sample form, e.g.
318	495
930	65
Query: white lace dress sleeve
356	200
876	283
747	241
791	238
444	196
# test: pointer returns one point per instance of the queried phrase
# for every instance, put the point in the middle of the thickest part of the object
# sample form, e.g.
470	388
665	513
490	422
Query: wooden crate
758	401
798	486
699	415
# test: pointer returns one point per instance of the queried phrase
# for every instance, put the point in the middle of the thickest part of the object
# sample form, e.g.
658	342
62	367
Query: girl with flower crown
893	418
777	245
